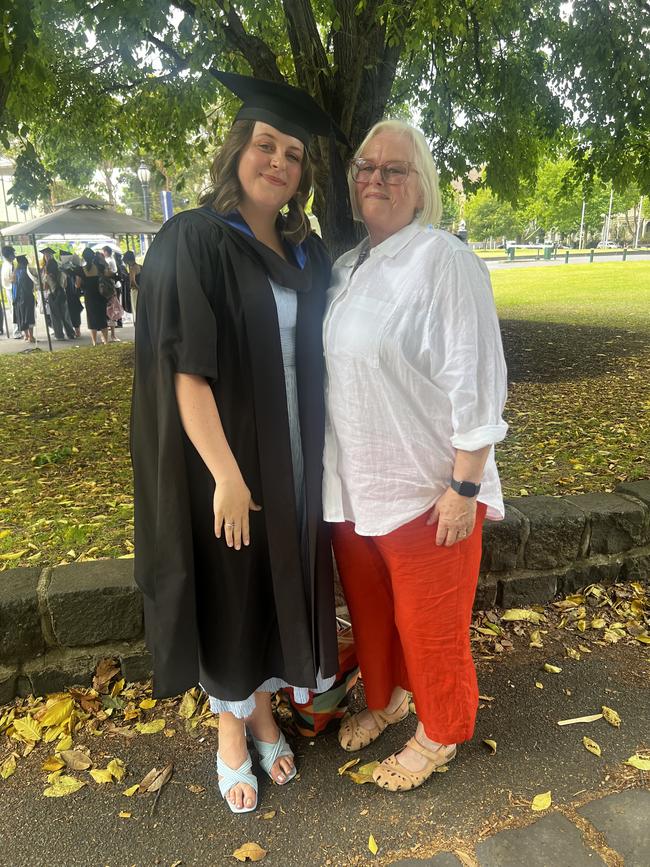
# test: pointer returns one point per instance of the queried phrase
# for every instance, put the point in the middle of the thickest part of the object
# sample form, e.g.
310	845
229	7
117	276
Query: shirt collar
390	247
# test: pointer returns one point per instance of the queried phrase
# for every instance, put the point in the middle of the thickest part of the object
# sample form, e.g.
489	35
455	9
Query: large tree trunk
354	92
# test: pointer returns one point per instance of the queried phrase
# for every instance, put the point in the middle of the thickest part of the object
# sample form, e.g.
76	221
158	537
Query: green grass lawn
605	293
577	343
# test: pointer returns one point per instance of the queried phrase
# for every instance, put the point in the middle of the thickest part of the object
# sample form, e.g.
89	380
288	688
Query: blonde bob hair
224	192
422	160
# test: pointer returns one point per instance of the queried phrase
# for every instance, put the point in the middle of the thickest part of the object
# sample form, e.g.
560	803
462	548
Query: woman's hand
232	503
455	516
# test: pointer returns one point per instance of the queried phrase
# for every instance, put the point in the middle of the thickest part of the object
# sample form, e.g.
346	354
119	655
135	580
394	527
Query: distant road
543	263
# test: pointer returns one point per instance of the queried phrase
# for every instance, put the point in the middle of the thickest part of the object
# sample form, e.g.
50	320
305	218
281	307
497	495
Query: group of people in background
106	279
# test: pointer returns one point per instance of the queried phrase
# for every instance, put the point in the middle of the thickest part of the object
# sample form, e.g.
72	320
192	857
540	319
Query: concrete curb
57	623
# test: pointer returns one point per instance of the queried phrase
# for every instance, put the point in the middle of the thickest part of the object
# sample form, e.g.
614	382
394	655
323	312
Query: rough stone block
527	588
556	532
8	678
136	662
552	840
623	819
503	541
640	490
616	524
94	602
636	566
20	622
600	570
486	592
56	671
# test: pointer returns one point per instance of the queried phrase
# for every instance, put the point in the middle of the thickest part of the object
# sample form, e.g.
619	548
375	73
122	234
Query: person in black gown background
88	282
232	555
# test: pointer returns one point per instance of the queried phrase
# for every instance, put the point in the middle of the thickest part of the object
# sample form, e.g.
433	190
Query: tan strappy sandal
391	775
353	736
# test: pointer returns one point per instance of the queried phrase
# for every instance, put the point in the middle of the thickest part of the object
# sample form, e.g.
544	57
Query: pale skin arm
455	514
201	422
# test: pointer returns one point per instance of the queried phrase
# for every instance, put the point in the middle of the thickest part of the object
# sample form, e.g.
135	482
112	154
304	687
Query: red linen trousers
410	603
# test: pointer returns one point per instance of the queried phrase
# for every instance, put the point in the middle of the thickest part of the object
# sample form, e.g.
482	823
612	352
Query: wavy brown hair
225	192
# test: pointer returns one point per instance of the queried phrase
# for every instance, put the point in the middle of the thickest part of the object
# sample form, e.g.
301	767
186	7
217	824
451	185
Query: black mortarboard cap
48	250
291	110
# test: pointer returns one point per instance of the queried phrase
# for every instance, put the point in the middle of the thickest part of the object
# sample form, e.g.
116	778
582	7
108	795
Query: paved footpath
478	813
618	826
11	346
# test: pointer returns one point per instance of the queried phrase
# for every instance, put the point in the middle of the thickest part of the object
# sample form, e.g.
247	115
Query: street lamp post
607	226
144	176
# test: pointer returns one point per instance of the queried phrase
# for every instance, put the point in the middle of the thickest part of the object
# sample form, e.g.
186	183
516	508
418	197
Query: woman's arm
454	513
202	423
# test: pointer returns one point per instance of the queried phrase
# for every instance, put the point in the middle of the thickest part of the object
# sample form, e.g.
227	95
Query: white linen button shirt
415	370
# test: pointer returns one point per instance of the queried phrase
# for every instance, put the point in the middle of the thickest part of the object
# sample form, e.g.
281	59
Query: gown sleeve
178	280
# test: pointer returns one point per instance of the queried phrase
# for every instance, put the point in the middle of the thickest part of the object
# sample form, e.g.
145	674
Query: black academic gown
225	618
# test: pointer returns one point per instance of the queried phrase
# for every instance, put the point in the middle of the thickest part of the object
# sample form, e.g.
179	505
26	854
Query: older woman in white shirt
416	388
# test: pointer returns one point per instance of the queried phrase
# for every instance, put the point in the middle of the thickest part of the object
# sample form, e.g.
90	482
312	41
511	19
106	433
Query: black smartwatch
465	489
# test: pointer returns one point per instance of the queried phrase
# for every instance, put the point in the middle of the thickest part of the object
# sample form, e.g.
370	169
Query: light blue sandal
231	777
270	753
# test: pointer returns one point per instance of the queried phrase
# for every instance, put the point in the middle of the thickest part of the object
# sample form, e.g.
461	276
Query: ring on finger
229	525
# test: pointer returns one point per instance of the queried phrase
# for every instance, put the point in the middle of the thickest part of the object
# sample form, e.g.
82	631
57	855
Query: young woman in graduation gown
227	434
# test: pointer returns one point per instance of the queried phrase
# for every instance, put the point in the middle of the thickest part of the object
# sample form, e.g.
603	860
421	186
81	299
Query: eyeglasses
395	172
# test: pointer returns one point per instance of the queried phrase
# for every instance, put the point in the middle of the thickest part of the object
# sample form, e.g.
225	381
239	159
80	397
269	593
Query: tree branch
255	51
170	51
310	59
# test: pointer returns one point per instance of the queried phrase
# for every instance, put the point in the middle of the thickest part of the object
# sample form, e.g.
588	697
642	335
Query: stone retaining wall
57	623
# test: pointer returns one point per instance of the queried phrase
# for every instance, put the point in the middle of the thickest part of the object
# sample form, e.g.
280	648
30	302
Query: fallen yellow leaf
641	763
148	703
58	712
363	774
541	802
101	776
249	852
8	767
580	719
28	729
611	716
347	765
592	746
53	733
64	744
116	769
492	745
372	845
522	614
270	814
131	790
53	763
124	815
187	706
552	669
539	685
63	786
150	728
15	555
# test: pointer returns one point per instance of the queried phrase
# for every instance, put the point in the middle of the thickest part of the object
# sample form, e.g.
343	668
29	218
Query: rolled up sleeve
467	353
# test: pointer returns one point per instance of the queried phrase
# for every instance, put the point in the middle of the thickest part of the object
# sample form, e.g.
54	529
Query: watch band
465	489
